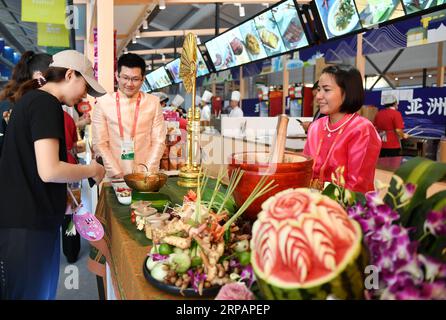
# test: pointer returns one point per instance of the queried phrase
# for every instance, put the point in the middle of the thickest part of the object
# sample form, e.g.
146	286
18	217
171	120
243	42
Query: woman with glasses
128	125
343	143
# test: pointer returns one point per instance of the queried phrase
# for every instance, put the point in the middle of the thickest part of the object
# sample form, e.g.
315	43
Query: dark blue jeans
29	263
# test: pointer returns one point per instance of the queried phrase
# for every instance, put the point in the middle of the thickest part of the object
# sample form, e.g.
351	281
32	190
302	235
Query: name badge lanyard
135	120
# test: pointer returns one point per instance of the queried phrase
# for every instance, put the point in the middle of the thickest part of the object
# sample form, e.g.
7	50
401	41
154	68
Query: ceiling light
149	67
198	41
163	57
137	35
145	25
126	51
241	11
134	39
430	76
411	77
265	4
162	5
396	78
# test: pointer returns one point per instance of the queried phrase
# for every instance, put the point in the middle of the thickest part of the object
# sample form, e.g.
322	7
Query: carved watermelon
304	246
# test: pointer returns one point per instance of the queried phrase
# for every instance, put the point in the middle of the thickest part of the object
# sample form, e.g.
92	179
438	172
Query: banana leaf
421	172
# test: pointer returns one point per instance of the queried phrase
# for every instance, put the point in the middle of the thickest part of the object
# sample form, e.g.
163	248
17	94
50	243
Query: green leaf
421	172
329	191
435	202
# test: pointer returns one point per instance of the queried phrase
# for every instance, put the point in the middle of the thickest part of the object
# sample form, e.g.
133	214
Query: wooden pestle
278	146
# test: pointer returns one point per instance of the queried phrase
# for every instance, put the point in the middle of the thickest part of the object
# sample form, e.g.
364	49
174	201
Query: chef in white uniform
206	109
236	111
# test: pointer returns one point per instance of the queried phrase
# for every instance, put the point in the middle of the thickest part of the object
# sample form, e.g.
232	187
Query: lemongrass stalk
235	179
198	200
217	186
259	190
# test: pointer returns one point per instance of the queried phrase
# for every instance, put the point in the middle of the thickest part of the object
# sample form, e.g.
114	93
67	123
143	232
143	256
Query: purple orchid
158	257
408	191
433	269
248	274
435	290
373	199
196	278
436	223
234	264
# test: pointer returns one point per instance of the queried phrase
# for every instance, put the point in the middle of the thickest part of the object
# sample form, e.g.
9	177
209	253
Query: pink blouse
355	145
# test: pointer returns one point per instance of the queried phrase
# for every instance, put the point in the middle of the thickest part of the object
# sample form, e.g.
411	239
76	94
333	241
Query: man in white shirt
206	109
236	111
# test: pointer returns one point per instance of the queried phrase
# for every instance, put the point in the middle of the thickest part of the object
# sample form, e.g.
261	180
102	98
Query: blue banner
424	108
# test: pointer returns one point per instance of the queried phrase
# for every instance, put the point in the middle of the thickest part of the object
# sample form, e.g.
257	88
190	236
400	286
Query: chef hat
197	100
389	99
177	101
265	90
235	96
163	97
207	95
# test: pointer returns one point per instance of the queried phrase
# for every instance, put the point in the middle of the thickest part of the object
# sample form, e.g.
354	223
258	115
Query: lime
244	258
165	249
196	261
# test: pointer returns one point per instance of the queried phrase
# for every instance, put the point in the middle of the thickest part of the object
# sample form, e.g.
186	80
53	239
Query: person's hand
84	120
80	147
118	176
99	171
306	125
406	136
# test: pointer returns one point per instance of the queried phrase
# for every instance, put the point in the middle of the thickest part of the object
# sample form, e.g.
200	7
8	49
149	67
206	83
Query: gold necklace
330	131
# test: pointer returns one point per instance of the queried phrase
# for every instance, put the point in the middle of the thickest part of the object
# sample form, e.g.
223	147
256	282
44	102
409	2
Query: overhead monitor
337	17
412	6
173	68
158	79
272	32
373	12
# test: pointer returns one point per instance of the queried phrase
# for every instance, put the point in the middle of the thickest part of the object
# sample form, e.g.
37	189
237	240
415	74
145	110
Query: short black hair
349	79
131	60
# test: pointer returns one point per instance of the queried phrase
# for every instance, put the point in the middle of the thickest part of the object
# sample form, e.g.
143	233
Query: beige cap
235	96
389	98
207	95
177	101
72	59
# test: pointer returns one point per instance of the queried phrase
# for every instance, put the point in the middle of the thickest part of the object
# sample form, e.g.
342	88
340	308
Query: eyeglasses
127	79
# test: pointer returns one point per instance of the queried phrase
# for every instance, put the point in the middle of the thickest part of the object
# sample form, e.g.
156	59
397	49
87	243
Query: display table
122	252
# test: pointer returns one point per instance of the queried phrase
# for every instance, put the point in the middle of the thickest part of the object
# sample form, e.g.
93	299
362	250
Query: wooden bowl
295	172
146	182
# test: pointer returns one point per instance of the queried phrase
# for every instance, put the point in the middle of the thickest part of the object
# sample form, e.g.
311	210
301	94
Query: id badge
127	150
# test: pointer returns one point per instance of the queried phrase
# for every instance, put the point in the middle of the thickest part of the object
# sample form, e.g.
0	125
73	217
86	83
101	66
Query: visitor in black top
30	66
33	175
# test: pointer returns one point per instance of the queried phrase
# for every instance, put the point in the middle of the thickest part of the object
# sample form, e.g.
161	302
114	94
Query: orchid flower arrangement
405	233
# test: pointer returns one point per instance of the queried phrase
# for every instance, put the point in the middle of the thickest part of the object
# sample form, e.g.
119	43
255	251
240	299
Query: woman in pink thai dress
344	139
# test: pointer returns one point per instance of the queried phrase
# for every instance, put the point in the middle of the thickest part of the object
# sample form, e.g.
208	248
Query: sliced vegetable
159	271
180	262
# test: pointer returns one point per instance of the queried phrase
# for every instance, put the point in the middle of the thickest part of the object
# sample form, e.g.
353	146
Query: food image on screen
417	5
237	46
269	38
344	15
372	12
252	44
293	32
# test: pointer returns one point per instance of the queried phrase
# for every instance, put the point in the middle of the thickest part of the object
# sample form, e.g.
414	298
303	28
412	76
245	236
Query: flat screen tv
173	68
412	6
337	17
158	79
373	12
145	86
272	32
